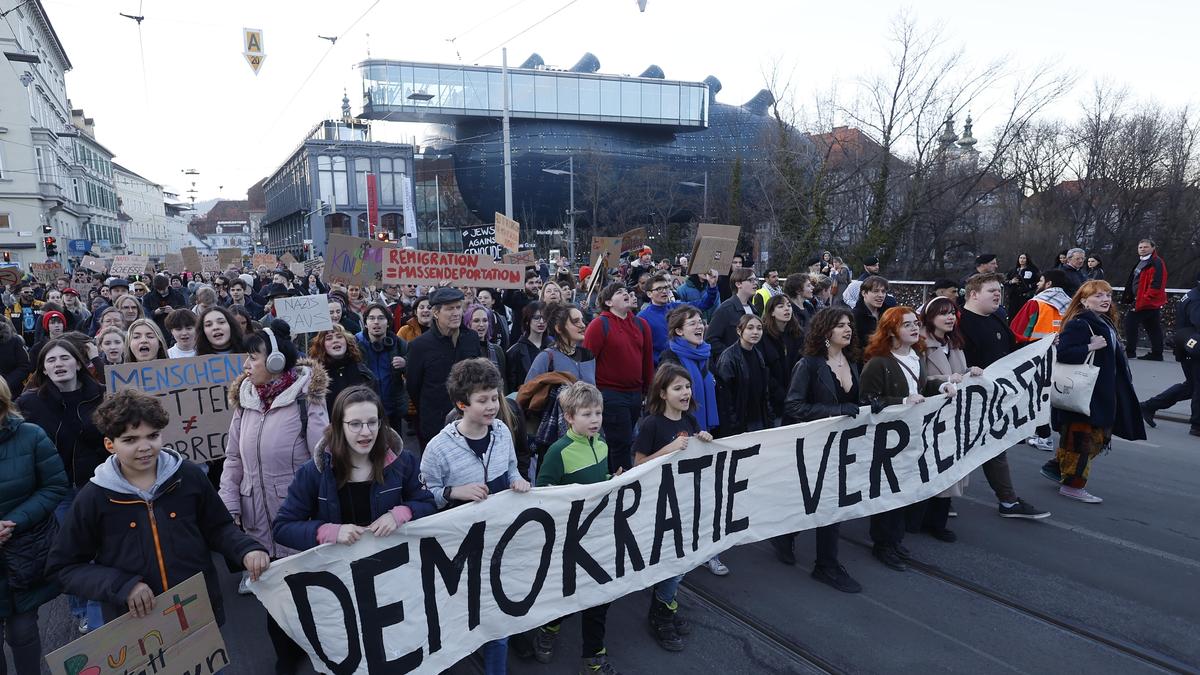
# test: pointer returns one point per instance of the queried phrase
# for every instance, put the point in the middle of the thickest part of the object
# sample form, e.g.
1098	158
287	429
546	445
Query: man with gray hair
1076	277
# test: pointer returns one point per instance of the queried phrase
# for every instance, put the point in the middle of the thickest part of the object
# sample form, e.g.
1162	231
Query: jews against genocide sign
193	390
128	265
437	589
46	272
508	232
426	268
481	240
304	313
180	635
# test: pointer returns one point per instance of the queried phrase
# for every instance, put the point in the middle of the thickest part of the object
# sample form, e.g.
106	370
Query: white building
143	214
55	178
179	214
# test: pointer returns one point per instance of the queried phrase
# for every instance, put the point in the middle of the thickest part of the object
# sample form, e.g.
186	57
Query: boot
937	513
662	625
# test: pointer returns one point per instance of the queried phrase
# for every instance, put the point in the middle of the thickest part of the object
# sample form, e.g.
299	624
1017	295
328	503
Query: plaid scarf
267	392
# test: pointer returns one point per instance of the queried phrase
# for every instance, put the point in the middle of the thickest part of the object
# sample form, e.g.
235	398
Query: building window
5	224
362	167
391	188
41	168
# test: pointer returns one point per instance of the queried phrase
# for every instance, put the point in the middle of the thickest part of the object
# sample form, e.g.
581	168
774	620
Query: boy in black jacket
146	521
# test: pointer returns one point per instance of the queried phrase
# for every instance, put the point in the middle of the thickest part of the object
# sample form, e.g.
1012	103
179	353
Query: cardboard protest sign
267	260
46	272
349	261
313	263
526	258
97	265
606	248
180	635
209	263
710	230
633	239
426	268
507	232
288	259
712	253
191	259
128	265
84	289
515	561
174	263
194	393
304	313
10	275
229	256
481	240
722	231
297	269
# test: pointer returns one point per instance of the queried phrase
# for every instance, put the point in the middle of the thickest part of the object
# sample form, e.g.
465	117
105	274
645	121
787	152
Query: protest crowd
413	400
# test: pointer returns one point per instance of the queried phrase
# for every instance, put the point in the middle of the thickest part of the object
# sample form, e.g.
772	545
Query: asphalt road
1109	588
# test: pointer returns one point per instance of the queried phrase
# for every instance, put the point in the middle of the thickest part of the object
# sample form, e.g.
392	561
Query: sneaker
244	585
543	644
1148	416
598	664
1038	443
682	625
1050	471
837	577
717	567
1023	509
1079	495
662	626
83	627
887	555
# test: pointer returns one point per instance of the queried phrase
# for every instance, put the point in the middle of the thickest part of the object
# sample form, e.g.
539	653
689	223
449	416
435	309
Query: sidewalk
1151	377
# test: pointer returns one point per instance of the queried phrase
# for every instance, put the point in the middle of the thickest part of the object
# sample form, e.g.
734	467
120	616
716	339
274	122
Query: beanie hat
52	314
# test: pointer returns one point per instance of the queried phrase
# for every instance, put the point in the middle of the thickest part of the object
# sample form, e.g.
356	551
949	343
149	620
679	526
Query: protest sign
507	232
288	259
426	268
9	275
350	261
267	260
314	263
229	256
128	265
97	265
712	253
434	591
180	636
193	391
209	263
83	288
297	269
481	240
633	239
304	313
523	258
191	259
46	272
608	248
174	263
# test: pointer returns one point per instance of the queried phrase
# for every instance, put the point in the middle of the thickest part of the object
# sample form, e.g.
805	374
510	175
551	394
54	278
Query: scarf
269	391
704	387
1056	297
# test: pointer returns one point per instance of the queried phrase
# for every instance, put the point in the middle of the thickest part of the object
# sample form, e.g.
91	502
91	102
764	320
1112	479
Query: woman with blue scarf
686	347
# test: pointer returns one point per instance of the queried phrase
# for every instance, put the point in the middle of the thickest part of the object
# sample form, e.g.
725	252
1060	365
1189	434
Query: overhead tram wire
526	30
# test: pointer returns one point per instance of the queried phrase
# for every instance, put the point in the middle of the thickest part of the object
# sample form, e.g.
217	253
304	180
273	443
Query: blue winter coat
1114	402
389	382
312	499
32	483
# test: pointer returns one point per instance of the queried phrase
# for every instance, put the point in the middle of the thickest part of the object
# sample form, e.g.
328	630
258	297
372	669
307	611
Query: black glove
877	406
848	409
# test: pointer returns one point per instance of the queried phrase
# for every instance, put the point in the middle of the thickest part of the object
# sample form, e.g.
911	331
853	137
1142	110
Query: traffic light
51	246
383	235
46	229
7	257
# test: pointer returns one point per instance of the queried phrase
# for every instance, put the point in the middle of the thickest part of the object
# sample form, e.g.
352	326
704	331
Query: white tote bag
1071	384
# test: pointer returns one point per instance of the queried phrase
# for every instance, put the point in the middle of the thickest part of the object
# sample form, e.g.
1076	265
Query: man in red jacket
1146	290
624	349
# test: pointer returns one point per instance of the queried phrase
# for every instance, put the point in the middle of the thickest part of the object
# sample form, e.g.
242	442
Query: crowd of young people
501	391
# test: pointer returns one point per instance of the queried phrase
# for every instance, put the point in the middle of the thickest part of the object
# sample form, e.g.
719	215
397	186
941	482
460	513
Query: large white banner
430	594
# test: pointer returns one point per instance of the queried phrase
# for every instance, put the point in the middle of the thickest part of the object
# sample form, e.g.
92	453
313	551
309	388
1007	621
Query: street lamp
571	210
692	183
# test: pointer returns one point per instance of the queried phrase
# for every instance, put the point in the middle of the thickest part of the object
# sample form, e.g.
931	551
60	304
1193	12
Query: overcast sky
193	101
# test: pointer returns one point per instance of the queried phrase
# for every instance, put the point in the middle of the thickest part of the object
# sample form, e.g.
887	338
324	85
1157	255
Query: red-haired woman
894	375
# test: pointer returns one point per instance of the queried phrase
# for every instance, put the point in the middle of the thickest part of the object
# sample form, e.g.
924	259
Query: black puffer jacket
68	422
343	374
14	360
430	358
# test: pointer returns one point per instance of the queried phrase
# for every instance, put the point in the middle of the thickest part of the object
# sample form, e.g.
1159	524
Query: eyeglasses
660	289
357	426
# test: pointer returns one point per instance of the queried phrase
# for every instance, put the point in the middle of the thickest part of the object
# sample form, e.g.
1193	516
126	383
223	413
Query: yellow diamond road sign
252	42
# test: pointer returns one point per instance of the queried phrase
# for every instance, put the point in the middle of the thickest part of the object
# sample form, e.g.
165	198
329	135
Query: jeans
592	620
999	478
495	656
21	632
1152	320
1189	388
621	412
80	607
887	528
666	589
